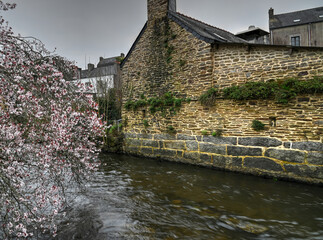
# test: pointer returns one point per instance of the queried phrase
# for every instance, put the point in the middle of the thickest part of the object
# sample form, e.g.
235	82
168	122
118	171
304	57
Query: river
139	198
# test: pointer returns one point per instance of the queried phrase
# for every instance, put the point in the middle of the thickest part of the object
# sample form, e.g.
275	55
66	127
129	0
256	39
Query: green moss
204	132
257	125
171	130
217	133
145	122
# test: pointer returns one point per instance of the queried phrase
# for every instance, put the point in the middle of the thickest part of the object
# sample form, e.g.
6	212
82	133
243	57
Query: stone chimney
271	13
90	66
159	8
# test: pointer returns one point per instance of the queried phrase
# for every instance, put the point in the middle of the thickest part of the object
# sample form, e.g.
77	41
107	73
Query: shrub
257	125
208	98
204	132
217	133
170	130
146	124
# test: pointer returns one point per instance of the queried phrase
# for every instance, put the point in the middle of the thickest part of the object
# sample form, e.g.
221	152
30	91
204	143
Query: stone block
164	153
175	145
205	158
164	137
131	135
194	156
262	163
315	158
133	142
150	143
192	146
286	155
147	151
220	140
259	141
211	148
244	151
185	137
145	136
307	146
305	171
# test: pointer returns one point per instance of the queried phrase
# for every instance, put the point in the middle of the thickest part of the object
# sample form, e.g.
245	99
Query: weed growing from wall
257	125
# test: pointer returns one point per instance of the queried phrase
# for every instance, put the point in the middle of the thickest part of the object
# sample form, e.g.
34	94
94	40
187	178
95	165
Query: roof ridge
304	10
203	22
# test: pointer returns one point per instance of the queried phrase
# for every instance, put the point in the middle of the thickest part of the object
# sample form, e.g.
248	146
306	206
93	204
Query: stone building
176	57
301	28
104	76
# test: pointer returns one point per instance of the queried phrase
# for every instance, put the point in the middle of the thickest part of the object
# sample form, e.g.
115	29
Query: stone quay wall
261	156
167	58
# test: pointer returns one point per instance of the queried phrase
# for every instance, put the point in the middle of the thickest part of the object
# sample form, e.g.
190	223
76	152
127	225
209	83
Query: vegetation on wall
208	98
257	125
171	130
157	104
282	90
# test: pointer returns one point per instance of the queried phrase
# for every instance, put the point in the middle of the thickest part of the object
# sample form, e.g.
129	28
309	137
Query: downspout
309	29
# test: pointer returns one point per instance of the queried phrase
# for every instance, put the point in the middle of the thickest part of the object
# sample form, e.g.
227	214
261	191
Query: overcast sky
84	30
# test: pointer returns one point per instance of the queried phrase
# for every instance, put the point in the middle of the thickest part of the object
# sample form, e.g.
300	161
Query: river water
138	198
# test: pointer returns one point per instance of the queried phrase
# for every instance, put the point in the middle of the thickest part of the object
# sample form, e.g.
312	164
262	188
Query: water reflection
134	198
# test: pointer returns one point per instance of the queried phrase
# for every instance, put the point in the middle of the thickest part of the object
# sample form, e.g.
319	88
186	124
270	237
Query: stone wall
263	156
168	58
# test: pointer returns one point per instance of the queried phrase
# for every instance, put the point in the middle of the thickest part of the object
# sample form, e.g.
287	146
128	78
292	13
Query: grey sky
94	28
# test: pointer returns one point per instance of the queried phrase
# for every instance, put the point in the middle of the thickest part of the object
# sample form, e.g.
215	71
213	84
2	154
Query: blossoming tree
48	134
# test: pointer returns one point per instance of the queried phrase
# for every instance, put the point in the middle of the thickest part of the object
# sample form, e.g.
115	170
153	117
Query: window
295	41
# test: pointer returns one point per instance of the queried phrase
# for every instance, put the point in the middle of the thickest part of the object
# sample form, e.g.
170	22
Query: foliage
109	109
282	91
157	104
145	122
171	130
217	133
257	125
208	98
182	63
204	132
48	135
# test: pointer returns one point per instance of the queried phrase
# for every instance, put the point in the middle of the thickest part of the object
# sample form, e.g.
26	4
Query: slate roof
304	16
199	29
253	31
105	67
204	31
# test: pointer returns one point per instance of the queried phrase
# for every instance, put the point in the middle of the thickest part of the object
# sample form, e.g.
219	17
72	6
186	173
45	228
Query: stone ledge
244	151
164	137
192	146
262	163
150	143
185	137
286	155
211	148
305	171
315	158
220	140
259	141
175	145
307	146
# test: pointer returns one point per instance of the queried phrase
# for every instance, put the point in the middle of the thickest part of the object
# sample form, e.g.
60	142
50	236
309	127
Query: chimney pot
271	13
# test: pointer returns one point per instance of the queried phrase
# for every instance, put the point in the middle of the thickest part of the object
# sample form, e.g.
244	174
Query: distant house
254	35
301	28
104	77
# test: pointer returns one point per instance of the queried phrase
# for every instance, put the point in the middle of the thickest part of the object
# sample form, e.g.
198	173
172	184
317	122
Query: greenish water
137	198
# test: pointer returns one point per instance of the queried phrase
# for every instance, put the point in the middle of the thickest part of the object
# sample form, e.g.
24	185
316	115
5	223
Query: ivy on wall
282	90
157	104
